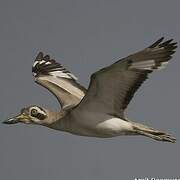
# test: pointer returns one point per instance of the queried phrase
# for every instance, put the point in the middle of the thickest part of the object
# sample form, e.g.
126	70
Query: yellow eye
34	112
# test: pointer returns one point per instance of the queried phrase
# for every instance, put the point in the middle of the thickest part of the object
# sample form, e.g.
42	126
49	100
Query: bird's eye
34	112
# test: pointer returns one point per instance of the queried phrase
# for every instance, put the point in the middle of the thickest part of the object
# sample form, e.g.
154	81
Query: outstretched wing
58	80
112	88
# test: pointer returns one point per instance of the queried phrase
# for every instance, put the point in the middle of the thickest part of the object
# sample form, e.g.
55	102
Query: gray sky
85	36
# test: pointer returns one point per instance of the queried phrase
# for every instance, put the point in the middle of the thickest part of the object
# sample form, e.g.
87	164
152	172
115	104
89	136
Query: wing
58	80
112	88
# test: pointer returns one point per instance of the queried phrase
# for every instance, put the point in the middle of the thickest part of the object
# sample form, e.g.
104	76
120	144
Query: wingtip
157	42
39	56
46	57
168	43
160	40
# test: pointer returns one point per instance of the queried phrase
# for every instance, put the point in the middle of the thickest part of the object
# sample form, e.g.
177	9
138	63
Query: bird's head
32	115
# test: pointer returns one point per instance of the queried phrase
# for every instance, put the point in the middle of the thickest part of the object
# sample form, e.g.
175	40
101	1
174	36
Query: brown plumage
98	111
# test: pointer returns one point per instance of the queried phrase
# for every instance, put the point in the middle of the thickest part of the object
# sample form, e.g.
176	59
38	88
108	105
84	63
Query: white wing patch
64	85
63	75
148	65
143	64
47	63
35	63
58	80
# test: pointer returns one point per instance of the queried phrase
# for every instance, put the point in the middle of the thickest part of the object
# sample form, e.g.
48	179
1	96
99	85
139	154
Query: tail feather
153	133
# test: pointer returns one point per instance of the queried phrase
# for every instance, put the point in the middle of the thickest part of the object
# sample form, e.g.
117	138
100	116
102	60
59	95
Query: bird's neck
57	121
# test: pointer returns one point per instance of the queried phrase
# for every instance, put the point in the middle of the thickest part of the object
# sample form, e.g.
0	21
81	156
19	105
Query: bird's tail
152	133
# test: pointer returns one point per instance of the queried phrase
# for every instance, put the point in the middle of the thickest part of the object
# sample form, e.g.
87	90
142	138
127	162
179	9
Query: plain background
86	35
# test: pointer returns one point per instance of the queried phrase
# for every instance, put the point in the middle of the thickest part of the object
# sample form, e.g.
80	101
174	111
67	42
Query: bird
100	110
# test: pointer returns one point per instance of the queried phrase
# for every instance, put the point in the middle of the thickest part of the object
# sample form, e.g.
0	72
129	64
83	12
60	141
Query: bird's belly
99	125
114	126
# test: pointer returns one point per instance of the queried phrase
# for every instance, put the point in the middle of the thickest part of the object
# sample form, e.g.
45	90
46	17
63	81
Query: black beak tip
10	121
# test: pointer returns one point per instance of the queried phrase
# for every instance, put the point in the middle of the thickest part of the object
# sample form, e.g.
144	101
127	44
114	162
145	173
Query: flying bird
98	111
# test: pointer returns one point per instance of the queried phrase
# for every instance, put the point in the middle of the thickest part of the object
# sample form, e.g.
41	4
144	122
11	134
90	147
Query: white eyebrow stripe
38	109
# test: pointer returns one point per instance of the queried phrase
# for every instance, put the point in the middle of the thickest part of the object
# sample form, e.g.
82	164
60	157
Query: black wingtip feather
167	44
39	57
44	65
157	42
46	58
